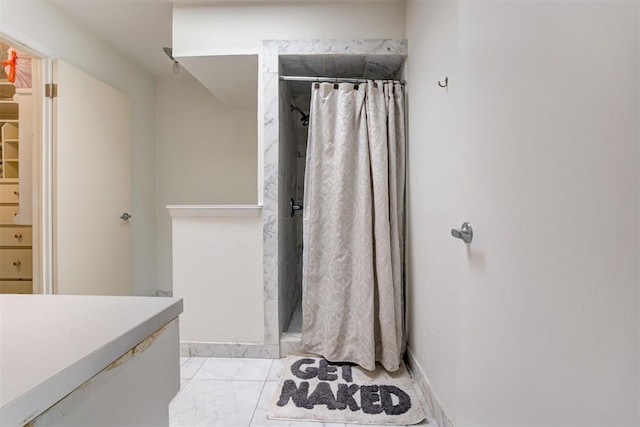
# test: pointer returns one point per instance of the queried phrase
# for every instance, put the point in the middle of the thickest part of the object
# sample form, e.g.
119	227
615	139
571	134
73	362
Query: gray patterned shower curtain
353	229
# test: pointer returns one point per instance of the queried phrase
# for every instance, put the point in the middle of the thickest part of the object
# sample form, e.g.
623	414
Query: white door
548	300
92	128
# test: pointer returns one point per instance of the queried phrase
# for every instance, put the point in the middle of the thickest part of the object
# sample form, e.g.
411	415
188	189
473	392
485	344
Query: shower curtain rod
332	79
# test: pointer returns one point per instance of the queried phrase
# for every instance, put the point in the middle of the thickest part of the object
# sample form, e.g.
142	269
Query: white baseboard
437	411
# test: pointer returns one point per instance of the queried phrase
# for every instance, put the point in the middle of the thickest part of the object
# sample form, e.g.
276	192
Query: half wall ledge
214	210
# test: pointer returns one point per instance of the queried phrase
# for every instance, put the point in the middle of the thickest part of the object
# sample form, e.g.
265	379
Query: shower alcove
284	148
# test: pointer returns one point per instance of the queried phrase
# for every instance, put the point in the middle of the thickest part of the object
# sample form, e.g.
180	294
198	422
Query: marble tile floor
230	392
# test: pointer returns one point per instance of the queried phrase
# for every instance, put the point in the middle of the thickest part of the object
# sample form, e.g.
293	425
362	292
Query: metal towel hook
465	232
446	82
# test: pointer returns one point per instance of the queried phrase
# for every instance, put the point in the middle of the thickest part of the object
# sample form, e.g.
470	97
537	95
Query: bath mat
312	389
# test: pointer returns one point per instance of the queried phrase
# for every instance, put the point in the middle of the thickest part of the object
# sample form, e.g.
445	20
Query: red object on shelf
10	66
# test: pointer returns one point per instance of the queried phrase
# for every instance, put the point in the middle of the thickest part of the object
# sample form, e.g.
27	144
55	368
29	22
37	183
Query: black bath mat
312	389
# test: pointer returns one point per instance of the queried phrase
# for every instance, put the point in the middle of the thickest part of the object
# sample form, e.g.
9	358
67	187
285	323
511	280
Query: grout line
199	367
193	376
179	392
257	403
269	370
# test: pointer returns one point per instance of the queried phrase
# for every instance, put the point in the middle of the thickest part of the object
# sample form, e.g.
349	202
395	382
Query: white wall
231	79
434	177
44	25
240	28
536	322
218	272
206	154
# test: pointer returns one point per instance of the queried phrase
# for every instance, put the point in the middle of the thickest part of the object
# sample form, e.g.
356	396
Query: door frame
43	158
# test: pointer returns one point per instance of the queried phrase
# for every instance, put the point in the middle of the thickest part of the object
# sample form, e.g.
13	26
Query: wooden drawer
16	287
15	236
22	259
9	193
8	214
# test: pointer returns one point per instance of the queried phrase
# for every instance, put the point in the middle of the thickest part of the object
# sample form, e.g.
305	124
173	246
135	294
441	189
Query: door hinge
51	90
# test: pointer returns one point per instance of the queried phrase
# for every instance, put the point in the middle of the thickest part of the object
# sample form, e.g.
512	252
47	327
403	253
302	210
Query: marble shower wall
283	146
290	288
302	133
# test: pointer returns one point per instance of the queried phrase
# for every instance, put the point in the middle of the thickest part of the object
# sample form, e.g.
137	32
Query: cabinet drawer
9	193
16	287
8	214
22	260
15	236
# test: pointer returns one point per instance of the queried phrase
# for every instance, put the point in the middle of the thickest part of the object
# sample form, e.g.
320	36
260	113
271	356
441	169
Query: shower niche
384	62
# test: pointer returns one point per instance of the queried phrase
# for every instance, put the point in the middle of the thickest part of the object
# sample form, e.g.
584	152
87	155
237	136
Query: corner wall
206	155
42	23
247	27
434	176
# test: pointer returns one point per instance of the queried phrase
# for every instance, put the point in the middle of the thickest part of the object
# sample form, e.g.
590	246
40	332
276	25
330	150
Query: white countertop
52	344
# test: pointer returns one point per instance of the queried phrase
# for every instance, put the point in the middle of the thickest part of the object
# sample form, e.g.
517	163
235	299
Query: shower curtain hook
446	82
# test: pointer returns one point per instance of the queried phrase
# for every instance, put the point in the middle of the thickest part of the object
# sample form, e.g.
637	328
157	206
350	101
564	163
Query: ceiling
137	28
141	28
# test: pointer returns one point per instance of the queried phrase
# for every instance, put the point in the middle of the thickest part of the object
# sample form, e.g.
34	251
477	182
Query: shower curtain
353	229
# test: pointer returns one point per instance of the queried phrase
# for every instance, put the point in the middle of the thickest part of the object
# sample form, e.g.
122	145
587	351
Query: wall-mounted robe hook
446	82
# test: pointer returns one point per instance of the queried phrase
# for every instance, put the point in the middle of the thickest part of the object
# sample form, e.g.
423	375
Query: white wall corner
438	413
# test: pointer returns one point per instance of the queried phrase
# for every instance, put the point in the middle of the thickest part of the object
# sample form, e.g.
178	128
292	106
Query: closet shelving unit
10	150
16	270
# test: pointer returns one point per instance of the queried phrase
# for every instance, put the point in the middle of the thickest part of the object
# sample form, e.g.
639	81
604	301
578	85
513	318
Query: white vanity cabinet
88	360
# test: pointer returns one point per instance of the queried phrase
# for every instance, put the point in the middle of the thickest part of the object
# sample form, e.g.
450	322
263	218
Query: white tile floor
229	392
